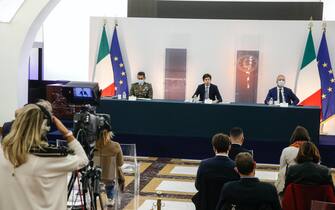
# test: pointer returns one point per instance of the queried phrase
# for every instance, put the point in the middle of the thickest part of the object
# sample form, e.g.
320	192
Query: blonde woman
29	181
106	151
7	125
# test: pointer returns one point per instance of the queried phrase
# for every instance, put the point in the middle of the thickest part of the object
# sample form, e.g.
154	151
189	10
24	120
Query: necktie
280	96
206	92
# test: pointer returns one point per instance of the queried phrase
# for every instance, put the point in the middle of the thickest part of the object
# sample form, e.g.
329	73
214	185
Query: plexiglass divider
131	169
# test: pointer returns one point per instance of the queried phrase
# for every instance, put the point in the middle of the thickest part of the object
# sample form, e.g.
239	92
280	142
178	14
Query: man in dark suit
248	193
281	94
237	139
208	90
213	173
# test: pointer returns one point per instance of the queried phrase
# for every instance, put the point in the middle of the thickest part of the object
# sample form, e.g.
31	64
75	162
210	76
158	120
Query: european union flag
327	80
120	76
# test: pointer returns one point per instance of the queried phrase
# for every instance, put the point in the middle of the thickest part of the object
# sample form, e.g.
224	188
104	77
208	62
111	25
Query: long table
169	123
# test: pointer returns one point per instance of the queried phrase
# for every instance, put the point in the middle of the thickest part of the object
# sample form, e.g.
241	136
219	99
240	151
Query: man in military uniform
141	89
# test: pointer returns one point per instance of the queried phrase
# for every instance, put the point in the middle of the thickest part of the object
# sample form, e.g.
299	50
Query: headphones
46	114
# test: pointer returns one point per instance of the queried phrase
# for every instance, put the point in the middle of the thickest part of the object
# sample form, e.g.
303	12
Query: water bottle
271	101
124	95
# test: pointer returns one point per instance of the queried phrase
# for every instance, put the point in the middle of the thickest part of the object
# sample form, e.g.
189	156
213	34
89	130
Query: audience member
31	178
288	155
105	151
308	170
248	193
237	140
219	166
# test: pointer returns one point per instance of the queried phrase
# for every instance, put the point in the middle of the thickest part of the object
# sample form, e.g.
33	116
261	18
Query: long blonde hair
26	133
105	138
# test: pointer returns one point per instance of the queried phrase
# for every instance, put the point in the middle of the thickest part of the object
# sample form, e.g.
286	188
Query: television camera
88	126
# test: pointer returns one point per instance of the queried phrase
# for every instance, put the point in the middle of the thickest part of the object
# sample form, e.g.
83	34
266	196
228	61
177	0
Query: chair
299	197
320	205
208	197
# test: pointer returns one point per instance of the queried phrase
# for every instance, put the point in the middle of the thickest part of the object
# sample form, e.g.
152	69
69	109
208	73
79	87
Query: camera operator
7	125
105	150
30	180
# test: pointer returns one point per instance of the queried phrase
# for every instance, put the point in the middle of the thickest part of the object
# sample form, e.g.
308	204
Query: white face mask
140	82
281	83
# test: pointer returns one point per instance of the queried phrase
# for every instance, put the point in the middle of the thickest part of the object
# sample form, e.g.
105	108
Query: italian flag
103	73
308	87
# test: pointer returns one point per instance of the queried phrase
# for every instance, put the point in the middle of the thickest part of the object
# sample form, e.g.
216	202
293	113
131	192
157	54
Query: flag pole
310	25
324	26
322	130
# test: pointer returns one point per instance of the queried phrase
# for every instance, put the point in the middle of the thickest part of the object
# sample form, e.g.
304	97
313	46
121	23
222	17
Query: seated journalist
248	193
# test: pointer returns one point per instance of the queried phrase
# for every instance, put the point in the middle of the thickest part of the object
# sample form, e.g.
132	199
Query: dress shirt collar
222	154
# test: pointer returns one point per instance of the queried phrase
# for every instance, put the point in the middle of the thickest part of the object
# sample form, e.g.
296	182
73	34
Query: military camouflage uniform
141	91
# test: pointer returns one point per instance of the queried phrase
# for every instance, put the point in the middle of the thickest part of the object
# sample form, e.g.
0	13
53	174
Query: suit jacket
214	93
289	96
248	194
218	169
235	150
308	173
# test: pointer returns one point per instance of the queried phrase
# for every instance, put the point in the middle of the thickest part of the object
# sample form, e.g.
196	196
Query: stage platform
160	128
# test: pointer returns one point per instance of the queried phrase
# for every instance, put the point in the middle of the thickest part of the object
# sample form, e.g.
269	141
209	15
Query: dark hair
235	132
244	163
141	73
206	76
308	152
221	142
300	134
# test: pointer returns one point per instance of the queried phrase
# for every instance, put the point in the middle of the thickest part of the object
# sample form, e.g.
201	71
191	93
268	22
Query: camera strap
51	151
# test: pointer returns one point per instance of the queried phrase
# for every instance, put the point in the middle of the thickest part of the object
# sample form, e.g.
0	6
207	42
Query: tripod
90	178
90	182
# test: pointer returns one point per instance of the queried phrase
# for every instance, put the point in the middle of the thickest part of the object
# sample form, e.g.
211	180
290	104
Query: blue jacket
289	96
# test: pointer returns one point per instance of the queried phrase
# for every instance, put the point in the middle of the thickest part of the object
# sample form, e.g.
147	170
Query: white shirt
40	183
222	154
287	158
280	92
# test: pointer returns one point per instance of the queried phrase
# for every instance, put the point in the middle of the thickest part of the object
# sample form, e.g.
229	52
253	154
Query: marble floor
172	182
169	180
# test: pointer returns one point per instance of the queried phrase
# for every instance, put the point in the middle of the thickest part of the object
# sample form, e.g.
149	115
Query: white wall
66	36
328	9
16	40
211	47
